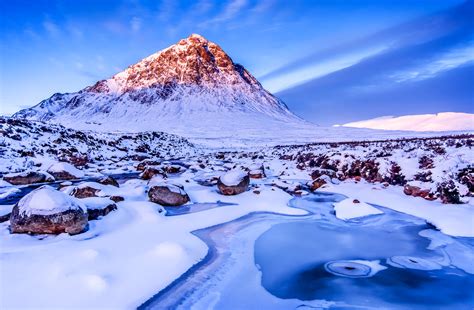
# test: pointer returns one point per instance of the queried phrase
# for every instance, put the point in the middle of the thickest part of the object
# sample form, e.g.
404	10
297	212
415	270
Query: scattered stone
317	183
108	180
85	192
99	206
141	166
233	182
256	174
167	194
150	172
117	198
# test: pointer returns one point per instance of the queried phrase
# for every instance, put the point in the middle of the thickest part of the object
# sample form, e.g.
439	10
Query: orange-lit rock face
193	61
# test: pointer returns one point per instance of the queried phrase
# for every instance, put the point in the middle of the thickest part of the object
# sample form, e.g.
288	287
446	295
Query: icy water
271	261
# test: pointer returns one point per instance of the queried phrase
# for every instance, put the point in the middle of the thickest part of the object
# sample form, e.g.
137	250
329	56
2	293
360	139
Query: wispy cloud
263	6
136	24
166	10
231	9
50	27
444	62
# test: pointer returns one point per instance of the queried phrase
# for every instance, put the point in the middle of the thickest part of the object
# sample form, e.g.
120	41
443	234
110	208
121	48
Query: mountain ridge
193	78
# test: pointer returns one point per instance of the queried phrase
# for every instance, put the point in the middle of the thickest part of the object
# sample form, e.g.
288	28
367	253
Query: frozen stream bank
265	260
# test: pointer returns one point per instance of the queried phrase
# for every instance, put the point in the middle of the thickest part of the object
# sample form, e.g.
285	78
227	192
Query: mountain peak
192	61
192	77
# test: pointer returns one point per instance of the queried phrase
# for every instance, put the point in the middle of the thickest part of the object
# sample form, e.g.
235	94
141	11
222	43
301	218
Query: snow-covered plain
134	252
447	121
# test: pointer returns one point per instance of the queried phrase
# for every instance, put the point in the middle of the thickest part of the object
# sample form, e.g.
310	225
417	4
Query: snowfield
142	247
448	121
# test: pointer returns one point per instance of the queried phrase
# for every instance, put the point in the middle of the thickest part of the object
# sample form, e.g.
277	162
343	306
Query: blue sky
62	46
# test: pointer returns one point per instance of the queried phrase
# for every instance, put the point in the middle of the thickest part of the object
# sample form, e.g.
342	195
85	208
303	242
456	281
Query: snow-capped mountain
192	84
448	121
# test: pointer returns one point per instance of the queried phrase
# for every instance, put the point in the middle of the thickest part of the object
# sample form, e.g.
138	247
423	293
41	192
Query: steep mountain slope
424	122
190	85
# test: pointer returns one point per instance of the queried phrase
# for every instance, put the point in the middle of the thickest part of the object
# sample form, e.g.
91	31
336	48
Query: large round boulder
48	211
167	194
65	171
233	182
28	177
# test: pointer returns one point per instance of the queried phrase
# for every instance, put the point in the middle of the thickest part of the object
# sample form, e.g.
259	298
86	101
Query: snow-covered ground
129	255
125	257
453	220
447	121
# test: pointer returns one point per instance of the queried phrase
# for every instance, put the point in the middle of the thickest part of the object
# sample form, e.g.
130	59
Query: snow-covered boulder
28	177
256	171
349	208
167	194
233	182
48	211
65	171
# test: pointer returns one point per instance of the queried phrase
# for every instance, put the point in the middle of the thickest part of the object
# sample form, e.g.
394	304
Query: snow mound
233	177
46	201
448	121
347	209
66	167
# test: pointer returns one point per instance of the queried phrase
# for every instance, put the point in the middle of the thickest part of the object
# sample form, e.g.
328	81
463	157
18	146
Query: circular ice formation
348	269
413	263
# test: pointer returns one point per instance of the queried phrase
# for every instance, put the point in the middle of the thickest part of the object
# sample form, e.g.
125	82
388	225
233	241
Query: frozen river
272	261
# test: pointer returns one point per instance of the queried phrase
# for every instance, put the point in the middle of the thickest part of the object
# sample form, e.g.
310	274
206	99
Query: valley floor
130	255
416	190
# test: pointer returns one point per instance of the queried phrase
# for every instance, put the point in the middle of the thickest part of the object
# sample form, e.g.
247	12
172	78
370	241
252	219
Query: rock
356	201
256	174
5	217
167	194
117	198
48	211
317	183
416	191
150	172
108	180
173	169
141	166
449	192
28	177
233	182
85	192
65	171
99	206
